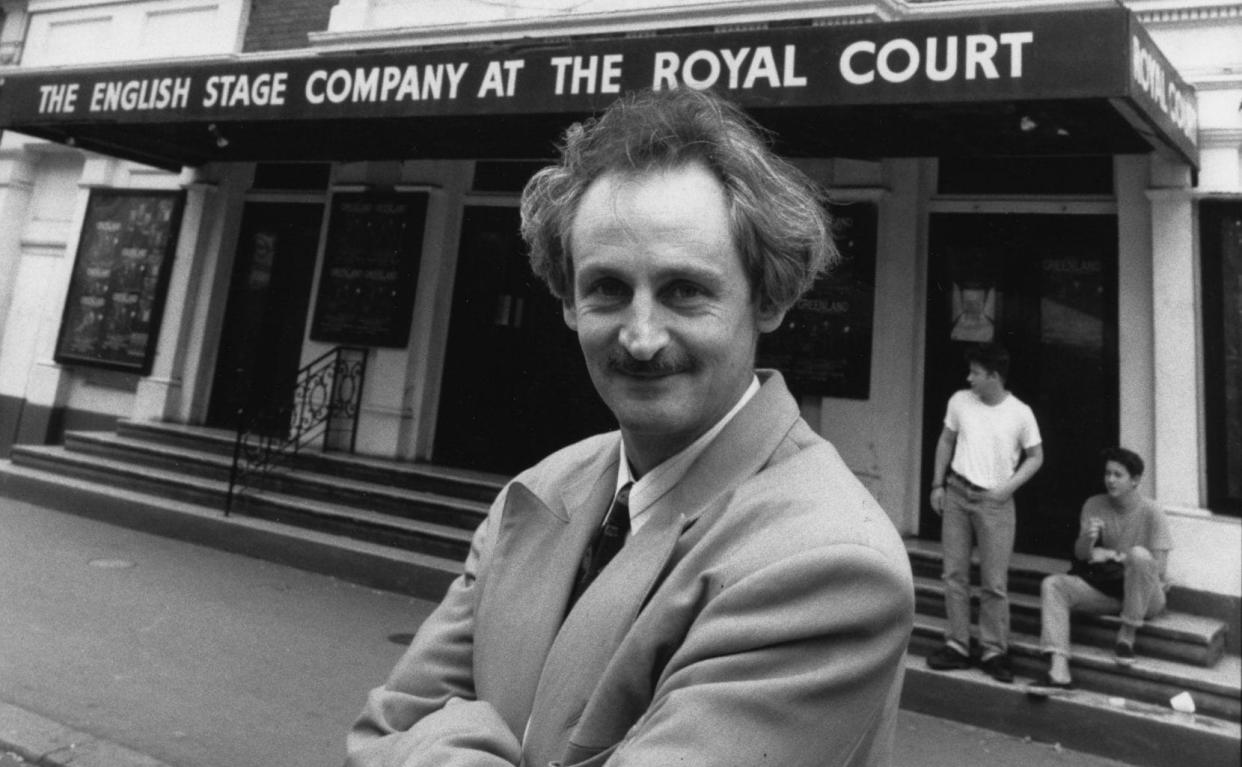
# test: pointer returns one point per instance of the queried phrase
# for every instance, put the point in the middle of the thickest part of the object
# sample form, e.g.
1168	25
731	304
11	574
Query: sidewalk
123	649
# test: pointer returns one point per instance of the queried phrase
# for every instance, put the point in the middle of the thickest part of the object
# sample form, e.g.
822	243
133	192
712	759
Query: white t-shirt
990	438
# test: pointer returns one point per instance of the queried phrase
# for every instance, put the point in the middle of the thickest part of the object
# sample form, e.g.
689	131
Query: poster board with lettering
823	348
370	269
120	278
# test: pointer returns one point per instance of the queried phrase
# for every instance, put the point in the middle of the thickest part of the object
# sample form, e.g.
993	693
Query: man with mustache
709	585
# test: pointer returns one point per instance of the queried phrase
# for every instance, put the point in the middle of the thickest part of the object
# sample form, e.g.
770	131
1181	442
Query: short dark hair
992	357
777	216
1127	458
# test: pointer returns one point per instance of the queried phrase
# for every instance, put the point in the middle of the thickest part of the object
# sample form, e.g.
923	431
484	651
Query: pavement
123	649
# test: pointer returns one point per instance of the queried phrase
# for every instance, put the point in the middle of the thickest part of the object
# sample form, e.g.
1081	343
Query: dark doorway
1045	286
514	387
265	320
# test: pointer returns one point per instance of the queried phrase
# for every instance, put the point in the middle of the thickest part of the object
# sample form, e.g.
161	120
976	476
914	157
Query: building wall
92	32
277	25
44	189
1161	385
1203	40
1161	369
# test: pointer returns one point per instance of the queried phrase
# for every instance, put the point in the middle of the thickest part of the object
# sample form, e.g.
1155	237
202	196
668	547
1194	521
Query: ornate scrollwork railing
322	409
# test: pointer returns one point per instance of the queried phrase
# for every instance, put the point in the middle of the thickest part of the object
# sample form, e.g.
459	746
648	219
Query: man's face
983	383
1118	481
661	304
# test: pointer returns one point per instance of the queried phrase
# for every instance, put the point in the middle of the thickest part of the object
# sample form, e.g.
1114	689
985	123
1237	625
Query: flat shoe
1043	680
1123	654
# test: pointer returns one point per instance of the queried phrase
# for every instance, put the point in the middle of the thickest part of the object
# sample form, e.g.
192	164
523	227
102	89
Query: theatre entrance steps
397	526
1120	712
406	527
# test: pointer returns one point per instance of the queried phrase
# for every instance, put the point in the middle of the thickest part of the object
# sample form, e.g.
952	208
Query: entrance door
265	320
515	387
1045	286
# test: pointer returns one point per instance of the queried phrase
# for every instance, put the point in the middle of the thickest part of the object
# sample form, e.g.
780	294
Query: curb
47	743
1140	734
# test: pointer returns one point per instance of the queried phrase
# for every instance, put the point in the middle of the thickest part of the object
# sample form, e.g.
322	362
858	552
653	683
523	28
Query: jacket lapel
538	548
580	654
588	640
589	637
741	449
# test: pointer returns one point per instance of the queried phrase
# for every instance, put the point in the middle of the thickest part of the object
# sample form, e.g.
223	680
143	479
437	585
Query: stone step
370	564
346	490
1172	635
1112	725
439	540
1216	690
1027	571
441	480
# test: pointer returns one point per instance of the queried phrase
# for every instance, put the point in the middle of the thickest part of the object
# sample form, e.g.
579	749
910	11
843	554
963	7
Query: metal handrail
322	407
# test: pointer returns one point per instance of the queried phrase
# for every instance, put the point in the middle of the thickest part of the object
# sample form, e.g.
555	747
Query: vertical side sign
119	279
1167	98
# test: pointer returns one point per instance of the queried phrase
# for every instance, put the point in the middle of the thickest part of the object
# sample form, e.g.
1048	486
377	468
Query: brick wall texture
277	25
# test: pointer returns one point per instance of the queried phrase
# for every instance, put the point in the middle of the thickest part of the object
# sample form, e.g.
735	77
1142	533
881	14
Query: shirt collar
662	478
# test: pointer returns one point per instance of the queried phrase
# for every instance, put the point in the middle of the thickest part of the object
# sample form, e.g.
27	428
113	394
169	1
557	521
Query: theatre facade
1037	176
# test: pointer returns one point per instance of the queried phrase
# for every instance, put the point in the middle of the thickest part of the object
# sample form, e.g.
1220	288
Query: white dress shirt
653	485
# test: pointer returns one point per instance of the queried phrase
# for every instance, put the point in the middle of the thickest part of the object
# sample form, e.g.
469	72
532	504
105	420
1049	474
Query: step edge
219	488
212	516
1097	659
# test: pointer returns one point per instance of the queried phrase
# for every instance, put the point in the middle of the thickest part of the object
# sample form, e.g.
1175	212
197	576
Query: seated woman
1119	525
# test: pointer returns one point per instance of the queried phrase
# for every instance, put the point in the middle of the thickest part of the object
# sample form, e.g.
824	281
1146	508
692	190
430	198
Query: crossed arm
798	663
426	713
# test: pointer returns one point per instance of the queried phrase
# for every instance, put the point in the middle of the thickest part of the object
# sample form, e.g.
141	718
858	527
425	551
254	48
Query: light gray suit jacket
760	616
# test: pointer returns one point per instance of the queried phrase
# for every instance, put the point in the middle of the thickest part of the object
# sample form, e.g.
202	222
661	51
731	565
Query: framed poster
119	280
823	348
370	269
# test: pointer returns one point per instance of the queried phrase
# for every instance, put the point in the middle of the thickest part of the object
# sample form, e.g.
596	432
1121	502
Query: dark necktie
607	542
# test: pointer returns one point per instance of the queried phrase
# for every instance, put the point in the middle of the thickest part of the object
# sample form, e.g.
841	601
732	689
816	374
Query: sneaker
1045	680
1044	687
1123	654
998	668
947	659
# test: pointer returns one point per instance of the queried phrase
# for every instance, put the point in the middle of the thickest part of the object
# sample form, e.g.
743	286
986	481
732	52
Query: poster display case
119	280
370	269
823	348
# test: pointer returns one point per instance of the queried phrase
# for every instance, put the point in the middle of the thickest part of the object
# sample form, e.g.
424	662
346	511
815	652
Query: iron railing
322	408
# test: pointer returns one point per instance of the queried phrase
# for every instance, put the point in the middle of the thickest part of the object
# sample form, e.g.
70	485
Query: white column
1136	365
47	385
17	170
159	392
214	254
1176	464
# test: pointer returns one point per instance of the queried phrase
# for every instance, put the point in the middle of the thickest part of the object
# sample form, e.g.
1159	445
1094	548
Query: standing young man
709	584
989	447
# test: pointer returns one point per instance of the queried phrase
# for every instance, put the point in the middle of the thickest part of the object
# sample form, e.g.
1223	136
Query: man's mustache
659	365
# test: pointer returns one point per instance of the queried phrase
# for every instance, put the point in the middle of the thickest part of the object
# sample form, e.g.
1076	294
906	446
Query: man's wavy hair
778	216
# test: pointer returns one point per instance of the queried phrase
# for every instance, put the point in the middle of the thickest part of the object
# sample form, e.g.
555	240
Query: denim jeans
1060	594
968	518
